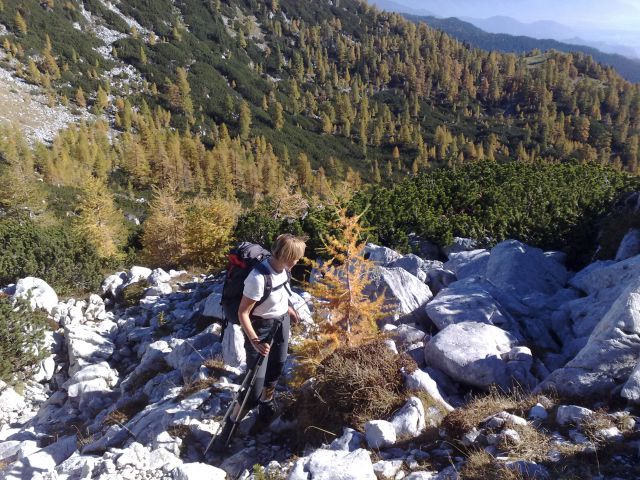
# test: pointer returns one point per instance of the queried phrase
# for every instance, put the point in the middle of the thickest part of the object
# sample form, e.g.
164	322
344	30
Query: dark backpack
242	259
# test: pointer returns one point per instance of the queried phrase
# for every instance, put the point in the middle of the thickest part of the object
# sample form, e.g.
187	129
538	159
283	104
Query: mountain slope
466	32
334	86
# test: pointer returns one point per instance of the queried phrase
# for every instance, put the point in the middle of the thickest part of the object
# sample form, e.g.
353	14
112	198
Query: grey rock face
467	301
480	355
468	263
610	355
520	269
403	290
630	245
334	465
381	256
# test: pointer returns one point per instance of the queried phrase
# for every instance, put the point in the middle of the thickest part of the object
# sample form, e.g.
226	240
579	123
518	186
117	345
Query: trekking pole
245	388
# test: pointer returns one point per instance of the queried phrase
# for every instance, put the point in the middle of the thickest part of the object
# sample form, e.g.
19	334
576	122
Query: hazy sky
601	14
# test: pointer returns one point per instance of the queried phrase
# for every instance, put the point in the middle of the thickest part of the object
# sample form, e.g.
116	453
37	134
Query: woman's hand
261	347
293	316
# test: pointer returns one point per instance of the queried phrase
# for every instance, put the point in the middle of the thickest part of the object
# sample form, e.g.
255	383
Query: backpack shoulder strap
268	282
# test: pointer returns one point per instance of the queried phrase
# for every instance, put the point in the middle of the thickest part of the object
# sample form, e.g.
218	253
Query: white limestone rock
38	292
138	273
519	269
233	352
468	300
381	256
572	414
421	381
43	460
349	441
471	263
630	245
113	283
10	400
479	354
197	471
334	465
387	468
460	244
89	388
631	389
212	307
380	433
412	264
611	353
158	276
402	290
86	346
409	421
77	466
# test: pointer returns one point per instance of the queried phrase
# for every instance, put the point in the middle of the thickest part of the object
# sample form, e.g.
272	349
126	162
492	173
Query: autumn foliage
344	312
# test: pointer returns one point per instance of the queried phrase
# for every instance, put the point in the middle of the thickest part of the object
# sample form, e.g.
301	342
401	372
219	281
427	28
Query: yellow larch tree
345	313
99	221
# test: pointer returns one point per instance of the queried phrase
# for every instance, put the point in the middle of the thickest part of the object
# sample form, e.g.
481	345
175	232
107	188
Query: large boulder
86	346
460	245
630	245
468	300
522	270
412	264
402	290
43	460
468	263
38	293
610	355
481	355
380	255
334	465
89	388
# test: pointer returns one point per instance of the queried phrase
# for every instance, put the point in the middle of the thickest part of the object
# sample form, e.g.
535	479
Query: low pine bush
64	260
21	339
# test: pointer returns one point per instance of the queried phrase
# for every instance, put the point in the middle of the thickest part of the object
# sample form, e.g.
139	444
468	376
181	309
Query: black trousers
272	366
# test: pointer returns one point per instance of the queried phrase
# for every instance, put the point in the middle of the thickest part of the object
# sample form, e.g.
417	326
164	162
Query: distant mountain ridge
547	29
478	38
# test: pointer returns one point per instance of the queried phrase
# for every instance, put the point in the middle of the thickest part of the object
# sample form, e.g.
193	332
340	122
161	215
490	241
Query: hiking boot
266	411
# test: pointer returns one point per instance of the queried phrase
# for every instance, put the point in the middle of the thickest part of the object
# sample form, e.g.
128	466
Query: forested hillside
478	38
205	108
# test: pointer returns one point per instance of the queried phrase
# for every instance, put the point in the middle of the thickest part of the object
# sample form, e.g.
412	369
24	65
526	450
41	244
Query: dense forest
466	32
211	112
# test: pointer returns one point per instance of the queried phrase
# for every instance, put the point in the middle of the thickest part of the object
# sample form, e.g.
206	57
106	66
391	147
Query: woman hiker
257	321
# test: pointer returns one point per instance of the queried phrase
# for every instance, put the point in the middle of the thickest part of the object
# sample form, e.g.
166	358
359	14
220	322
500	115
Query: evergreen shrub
55	254
21	338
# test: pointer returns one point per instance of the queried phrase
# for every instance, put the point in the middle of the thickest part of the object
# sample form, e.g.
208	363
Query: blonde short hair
288	247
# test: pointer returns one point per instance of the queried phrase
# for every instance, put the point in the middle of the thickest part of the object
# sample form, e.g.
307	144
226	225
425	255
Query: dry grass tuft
352	386
125	413
193	387
480	465
534	445
216	366
463	419
594	423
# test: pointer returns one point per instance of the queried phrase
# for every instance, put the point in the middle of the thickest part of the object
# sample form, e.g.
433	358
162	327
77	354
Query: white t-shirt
277	304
